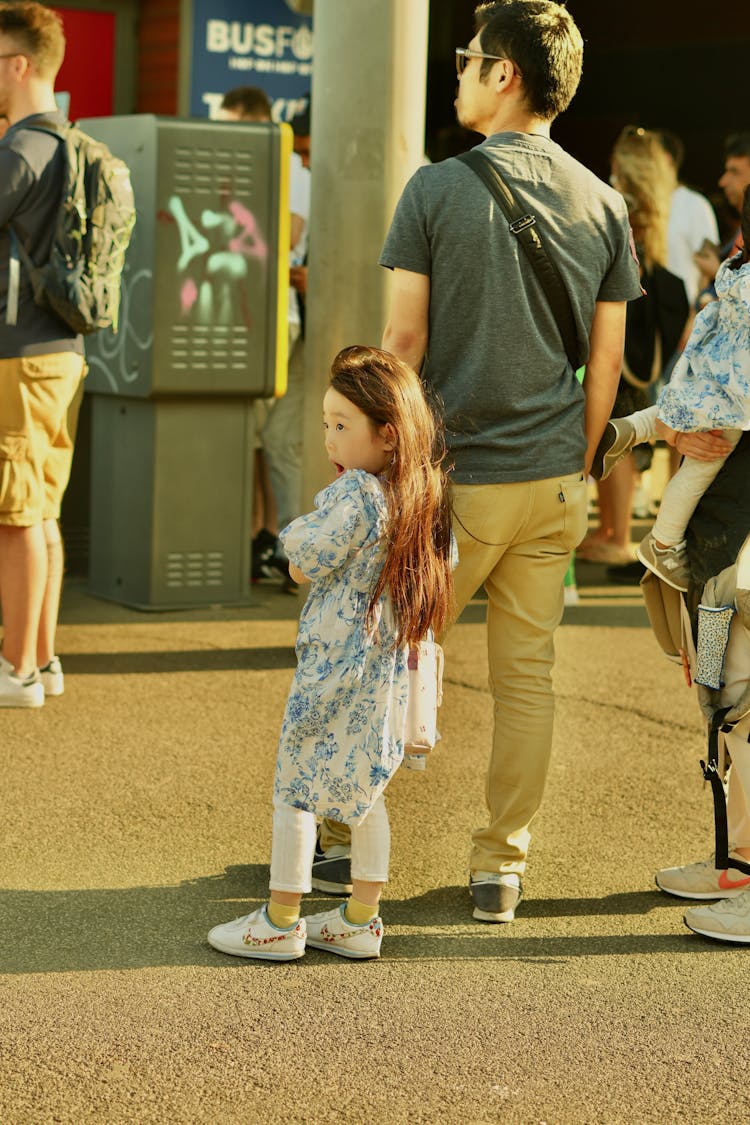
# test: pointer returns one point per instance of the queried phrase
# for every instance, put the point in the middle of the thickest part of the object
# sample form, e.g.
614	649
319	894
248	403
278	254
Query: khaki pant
515	539
39	401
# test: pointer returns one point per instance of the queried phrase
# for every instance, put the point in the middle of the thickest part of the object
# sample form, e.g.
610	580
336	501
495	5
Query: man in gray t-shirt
521	431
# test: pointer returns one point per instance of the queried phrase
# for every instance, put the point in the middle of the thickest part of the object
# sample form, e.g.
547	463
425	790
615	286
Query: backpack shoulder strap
524	226
18	252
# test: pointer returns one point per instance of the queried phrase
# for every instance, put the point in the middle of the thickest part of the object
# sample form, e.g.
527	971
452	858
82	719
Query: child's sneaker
617	440
331	931
52	677
668	563
254	935
726	921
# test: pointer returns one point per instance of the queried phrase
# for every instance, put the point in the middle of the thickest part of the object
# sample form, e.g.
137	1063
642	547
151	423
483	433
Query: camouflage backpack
80	282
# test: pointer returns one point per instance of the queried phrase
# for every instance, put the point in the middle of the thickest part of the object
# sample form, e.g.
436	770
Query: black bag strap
524	226
711	774
18	252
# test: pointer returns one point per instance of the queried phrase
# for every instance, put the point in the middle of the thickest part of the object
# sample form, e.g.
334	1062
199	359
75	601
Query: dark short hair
542	39
251	101
301	123
737	145
672	145
37	31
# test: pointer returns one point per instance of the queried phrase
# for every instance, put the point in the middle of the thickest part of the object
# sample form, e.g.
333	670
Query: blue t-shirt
31	184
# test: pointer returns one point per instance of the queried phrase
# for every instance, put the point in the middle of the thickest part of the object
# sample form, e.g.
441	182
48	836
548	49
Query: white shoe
331	931
726	921
15	692
52	677
703	880
254	935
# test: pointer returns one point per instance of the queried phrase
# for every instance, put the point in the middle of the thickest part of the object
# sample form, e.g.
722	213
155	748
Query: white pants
686	487
293	848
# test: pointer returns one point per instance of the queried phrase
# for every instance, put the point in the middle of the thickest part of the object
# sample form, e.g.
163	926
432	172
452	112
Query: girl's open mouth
339	468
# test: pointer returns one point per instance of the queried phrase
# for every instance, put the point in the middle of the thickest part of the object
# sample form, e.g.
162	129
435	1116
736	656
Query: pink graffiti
249	242
188	295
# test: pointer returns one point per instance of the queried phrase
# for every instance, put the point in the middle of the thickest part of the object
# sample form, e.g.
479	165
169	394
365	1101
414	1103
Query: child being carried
709	391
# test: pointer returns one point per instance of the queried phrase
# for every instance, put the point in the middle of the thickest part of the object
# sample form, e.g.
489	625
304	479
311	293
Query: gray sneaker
617	441
332	870
495	895
668	563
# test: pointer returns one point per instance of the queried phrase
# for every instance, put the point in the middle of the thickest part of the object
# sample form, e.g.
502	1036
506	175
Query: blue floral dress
710	385
342	735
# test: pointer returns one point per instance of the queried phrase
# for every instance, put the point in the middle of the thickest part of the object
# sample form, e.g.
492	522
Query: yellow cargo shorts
40	397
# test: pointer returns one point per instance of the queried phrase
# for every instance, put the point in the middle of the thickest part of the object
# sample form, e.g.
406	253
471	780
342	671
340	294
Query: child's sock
282	916
359	913
642	425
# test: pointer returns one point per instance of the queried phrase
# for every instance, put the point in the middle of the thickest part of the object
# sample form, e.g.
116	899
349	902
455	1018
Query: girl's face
352	441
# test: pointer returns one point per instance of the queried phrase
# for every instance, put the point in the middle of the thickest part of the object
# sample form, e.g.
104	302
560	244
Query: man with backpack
41	360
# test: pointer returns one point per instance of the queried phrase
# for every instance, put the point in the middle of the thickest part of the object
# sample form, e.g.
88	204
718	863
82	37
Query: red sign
88	70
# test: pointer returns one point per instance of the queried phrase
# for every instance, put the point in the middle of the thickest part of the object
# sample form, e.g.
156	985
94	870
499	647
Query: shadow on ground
264	658
149	927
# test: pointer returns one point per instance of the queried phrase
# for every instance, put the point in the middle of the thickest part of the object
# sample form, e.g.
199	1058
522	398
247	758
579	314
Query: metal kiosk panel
202	334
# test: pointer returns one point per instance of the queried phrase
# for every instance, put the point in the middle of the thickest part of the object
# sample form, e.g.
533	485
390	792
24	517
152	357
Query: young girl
377	551
709	390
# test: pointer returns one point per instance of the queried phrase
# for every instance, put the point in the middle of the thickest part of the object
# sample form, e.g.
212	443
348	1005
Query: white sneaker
726	921
15	692
254	935
703	880
331	931
52	677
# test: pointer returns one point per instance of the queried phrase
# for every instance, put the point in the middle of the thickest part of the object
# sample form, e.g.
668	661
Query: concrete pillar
368	105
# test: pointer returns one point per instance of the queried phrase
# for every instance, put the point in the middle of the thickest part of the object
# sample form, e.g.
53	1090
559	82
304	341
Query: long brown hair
417	570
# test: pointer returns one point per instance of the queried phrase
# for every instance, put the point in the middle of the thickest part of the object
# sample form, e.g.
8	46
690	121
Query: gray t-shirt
513	406
31	183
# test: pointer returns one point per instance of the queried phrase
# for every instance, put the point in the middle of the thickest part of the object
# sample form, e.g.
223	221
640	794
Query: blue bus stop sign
250	43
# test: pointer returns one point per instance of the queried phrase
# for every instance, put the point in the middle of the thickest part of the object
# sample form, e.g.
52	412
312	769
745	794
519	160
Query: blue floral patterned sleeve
348	515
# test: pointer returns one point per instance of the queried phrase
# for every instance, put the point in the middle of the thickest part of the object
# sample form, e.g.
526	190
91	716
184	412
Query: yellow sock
282	916
359	913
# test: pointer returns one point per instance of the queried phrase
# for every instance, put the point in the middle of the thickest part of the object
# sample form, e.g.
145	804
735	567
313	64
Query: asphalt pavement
137	815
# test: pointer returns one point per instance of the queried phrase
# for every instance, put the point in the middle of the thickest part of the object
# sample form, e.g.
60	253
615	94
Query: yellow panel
286	140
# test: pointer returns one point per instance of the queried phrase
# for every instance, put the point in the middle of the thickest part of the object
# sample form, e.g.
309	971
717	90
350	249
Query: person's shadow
148	927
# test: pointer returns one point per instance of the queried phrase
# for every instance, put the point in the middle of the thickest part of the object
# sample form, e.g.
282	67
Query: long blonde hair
645	176
417	570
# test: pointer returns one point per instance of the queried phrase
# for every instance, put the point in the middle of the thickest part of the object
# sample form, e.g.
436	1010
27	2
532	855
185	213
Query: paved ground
137	814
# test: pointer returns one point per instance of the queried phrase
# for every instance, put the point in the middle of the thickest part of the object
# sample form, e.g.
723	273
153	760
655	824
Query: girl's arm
296	574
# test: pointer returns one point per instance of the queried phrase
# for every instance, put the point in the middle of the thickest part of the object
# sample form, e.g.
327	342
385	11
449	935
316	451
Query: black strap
524	226
18	252
711	774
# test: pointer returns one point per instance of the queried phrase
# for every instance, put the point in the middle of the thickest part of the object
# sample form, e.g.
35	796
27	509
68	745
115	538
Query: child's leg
371	849
644	424
355	930
292	853
682	494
